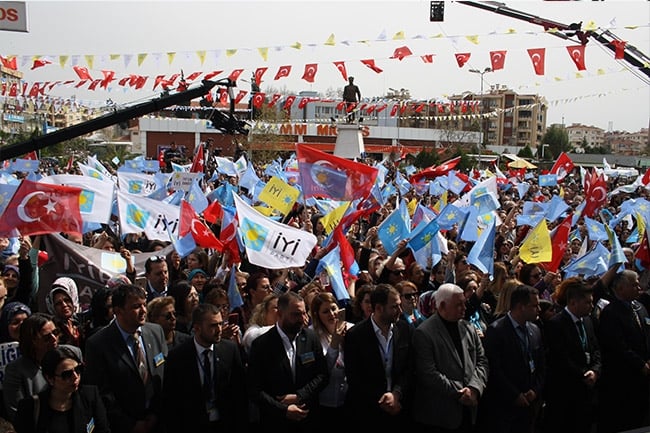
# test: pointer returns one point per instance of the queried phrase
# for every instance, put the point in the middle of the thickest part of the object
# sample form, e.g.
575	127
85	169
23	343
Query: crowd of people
439	348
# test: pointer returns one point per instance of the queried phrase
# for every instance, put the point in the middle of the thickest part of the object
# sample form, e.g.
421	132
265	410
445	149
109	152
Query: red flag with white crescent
537	56
259	73
371	64
274	100
462	58
258	100
235	74
401	52
577	53
498	59
283	71
310	72
341	67
289	102
82	72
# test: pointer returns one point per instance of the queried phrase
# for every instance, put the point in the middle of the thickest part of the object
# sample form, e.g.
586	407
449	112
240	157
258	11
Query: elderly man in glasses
157	275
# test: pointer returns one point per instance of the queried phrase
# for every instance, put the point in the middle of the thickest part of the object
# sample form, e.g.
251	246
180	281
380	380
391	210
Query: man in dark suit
515	352
376	356
287	370
126	362
205	396
624	336
450	366
573	362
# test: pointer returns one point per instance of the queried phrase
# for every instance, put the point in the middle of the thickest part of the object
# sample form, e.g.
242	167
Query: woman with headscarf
12	316
63	303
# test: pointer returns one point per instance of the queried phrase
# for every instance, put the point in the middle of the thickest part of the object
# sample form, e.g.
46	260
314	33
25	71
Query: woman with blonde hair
263	318
503	304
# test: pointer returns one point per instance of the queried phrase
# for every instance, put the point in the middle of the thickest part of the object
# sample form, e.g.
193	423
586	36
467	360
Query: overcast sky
606	92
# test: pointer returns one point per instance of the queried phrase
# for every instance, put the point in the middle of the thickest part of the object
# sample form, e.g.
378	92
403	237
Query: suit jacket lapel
282	354
121	347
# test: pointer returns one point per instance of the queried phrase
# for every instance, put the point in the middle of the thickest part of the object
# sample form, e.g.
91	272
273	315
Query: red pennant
240	96
211	75
9	63
193	76
198	163
258	100
108	77
213	212
288	102
393	111
341	67
401	52
577	53
303	103
371	64
274	100
82	72
39	63
283	71
560	242
310	72
462	58
427	58
620	49
498	59
259	73
537	56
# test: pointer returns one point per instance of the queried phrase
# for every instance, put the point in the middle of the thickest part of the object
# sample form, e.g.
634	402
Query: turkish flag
577	53
560	242
223	96
240	96
303	102
213	212
643	252
462	58
38	208
341	105
646	177
341	67
123	81
108	77
537	56
371	64
211	75
82	72
288	102
140	81
274	100
94	84
439	170
9	63
350	106
259	73
401	52
620	49
393	111
381	108
310	72
498	59
198	163
193	76
191	223
258	100
283	71
235	74
34	90
427	58
562	167
596	196
39	63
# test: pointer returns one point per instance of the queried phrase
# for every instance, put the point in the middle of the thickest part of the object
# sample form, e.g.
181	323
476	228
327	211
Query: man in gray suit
450	365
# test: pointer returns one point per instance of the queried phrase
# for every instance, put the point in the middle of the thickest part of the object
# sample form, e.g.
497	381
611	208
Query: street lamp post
481	73
543	146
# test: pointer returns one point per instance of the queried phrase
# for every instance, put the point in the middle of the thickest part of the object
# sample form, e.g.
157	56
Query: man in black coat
624	335
515	352
377	354
573	362
287	370
204	389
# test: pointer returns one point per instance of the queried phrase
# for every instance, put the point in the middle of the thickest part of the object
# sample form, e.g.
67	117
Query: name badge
90	427
159	359
531	365
307	358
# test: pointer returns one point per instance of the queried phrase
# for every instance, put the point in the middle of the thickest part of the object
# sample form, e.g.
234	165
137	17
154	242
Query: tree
426	159
557	139
526	152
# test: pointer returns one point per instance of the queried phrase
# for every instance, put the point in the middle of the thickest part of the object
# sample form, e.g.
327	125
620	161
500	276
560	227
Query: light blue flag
150	166
393	229
456	184
274	169
547	180
381	174
436	188
159	194
423	234
131	166
332	264
534	207
482	253
530	219
409	170
617	256
484	203
592	264
595	230
178	167
388	190
470	229
25	165
633	237
175	198
196	197
249	179
578	213
6	193
450	215
403	185
522	189
234	296
556	207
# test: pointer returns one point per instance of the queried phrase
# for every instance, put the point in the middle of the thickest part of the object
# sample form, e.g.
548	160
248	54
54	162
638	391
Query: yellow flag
267	211
332	219
473	39
399	36
297	45
537	247
279	195
63	60
141	58
114	56
201	55
640	222
90	60
264	52
561	194
231	52
170	57
413	204
330	41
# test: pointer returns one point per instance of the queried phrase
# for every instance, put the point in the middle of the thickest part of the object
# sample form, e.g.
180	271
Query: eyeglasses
69	374
171	315
154	259
410	296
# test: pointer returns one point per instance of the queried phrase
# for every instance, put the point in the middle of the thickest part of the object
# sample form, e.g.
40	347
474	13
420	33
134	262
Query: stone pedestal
349	141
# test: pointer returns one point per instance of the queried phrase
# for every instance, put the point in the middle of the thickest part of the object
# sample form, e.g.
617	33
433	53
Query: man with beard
287	370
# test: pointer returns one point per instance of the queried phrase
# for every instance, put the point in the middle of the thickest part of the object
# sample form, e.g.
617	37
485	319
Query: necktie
140	359
637	320
582	333
207	375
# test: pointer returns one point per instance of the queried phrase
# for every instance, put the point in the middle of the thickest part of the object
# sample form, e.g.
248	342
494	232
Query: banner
141	214
8	352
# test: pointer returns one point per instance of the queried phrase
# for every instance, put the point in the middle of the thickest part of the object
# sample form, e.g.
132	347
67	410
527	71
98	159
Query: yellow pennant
537	247
332	219
279	195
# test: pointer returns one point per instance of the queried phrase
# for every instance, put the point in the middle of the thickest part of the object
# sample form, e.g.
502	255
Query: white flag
270	244
96	198
141	214
137	183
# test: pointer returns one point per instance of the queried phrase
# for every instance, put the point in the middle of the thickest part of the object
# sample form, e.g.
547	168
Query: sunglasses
410	296
155	259
52	335
69	374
